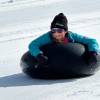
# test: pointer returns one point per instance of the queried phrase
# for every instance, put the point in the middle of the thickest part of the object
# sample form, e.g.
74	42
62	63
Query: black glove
42	60
90	57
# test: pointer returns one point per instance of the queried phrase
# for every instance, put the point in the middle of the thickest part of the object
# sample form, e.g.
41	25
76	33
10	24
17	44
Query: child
59	34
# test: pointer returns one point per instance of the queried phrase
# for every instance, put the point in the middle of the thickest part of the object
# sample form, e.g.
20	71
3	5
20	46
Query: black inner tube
64	61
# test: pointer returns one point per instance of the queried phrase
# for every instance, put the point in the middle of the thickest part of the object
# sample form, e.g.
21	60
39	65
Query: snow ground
23	21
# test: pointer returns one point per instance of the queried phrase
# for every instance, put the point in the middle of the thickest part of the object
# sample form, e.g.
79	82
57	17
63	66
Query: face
58	34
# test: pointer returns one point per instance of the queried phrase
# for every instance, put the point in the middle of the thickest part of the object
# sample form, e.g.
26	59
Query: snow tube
64	61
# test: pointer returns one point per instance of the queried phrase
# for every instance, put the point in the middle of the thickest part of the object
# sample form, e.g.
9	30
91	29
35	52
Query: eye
59	30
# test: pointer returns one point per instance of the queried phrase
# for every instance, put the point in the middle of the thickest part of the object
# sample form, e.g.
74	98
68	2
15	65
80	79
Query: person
59	33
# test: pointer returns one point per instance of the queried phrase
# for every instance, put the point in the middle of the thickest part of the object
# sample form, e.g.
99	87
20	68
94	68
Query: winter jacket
73	37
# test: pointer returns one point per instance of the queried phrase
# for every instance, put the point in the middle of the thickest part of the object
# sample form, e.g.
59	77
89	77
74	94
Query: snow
21	21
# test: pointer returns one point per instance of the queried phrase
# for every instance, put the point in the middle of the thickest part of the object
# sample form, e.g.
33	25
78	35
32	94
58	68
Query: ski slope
21	21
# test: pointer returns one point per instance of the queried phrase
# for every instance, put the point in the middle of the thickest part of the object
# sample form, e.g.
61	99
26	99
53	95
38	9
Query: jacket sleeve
38	42
90	42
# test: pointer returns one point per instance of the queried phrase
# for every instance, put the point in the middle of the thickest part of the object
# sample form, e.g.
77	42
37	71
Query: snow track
24	20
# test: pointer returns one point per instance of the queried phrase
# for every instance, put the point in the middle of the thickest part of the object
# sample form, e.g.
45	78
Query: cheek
55	35
62	35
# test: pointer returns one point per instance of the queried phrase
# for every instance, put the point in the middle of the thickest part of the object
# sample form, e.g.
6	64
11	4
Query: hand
90	58
42	60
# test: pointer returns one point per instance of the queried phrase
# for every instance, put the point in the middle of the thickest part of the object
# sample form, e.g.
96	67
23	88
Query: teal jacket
73	37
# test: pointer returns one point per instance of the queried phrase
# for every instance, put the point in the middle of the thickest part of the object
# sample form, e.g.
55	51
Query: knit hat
60	21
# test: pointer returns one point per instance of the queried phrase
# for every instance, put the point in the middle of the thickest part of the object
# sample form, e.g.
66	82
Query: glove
90	58
42	60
